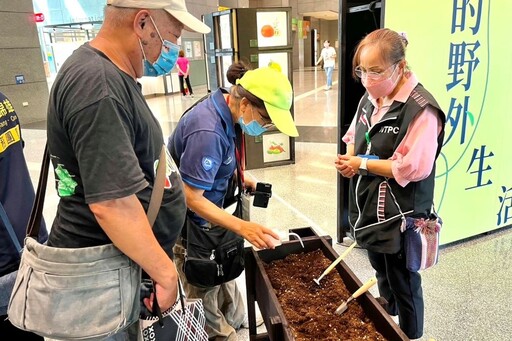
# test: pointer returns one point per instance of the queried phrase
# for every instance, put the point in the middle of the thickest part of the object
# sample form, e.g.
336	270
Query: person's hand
344	166
250	184
353	162
258	235
166	296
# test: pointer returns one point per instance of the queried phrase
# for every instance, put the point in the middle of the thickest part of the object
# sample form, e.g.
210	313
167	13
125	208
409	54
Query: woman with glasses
392	145
203	145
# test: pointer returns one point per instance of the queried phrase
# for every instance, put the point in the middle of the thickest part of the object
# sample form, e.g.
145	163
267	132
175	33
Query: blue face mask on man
253	128
165	62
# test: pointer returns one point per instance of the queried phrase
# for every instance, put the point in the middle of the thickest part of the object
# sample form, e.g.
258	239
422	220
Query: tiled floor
467	295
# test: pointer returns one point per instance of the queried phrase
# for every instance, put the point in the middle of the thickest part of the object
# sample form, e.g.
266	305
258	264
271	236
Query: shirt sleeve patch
207	163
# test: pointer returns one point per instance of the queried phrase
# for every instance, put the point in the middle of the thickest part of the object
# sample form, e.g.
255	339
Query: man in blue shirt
16	197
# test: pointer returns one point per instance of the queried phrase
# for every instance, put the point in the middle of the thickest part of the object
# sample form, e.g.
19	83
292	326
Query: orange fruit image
267	31
275	149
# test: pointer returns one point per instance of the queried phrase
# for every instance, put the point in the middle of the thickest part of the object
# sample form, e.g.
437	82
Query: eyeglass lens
360	72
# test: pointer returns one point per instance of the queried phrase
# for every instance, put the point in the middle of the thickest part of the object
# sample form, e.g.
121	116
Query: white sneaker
259	320
348	241
327	88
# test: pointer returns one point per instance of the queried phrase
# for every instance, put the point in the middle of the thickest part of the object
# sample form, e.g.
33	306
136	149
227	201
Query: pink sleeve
414	158
348	138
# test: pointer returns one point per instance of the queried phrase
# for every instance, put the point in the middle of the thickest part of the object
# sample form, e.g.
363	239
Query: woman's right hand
258	235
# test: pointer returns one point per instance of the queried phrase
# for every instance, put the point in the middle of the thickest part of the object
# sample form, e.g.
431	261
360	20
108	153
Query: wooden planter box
305	232
259	289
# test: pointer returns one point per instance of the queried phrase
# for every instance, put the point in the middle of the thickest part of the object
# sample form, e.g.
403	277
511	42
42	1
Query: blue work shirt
16	191
204	145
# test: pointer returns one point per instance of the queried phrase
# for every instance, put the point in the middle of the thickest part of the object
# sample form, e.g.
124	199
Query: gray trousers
223	304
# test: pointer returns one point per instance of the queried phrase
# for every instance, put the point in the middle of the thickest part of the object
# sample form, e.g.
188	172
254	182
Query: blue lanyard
9	228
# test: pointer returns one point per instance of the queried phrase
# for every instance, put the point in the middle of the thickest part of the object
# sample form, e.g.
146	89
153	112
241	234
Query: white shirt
328	54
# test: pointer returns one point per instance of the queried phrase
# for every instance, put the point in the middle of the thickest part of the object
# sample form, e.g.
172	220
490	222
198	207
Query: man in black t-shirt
105	143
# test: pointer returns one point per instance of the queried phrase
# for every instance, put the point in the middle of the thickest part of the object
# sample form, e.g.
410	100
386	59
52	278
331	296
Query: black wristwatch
363	168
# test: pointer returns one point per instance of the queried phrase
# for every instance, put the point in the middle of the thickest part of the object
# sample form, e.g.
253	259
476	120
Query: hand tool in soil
333	265
364	288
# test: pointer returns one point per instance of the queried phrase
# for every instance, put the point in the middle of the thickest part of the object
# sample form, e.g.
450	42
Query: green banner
460	52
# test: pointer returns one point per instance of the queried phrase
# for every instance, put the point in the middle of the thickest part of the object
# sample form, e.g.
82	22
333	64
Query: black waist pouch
213	256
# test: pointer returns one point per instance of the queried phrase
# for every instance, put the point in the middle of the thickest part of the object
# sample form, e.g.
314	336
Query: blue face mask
253	128
165	62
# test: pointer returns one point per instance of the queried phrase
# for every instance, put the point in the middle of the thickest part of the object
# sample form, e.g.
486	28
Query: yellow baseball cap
177	8
271	86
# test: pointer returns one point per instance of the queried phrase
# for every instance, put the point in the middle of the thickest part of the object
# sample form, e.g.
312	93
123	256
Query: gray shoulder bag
58	290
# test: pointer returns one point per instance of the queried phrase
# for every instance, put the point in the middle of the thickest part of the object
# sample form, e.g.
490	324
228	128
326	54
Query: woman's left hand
346	166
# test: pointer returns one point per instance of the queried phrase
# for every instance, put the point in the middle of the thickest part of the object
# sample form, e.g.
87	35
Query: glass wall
65	25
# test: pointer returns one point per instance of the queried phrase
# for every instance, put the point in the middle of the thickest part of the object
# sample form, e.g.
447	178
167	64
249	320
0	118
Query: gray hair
118	16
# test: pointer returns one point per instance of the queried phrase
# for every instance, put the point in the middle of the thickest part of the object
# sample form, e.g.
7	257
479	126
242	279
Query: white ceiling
325	15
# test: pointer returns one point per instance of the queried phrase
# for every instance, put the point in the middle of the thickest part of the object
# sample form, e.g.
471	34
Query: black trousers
402	289
6	328
182	87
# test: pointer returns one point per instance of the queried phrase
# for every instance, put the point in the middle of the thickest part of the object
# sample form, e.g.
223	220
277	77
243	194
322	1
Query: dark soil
309	308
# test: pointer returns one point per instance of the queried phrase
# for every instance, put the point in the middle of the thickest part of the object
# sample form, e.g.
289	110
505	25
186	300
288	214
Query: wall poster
198	50
306	27
225	31
188	49
280	58
473	192
276	147
272	29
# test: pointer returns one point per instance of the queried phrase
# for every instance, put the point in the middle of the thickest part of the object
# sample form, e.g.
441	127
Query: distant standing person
328	55
183	66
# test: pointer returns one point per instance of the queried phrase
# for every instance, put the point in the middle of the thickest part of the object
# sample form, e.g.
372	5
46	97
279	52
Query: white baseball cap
177	8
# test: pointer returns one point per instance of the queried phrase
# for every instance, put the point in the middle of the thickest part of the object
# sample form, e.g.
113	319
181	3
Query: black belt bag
213	256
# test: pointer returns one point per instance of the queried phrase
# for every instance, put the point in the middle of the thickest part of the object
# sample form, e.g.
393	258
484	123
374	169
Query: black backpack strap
195	103
172	149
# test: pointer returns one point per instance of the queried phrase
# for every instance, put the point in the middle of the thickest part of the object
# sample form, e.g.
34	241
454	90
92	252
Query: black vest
374	215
